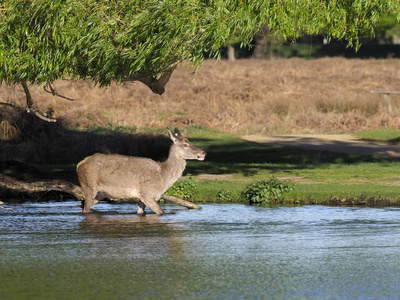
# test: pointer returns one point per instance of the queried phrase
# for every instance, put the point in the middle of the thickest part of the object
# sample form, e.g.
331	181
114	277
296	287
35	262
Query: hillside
328	95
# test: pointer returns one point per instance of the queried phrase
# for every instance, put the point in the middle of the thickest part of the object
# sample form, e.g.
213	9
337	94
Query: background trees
387	30
106	41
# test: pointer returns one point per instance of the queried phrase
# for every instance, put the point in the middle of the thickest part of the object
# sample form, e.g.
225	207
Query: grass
232	163
322	177
321	193
380	134
279	96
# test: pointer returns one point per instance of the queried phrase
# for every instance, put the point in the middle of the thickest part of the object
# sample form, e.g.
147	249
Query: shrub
184	188
225	196
267	190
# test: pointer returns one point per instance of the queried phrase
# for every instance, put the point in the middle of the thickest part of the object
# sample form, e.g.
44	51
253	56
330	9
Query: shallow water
52	251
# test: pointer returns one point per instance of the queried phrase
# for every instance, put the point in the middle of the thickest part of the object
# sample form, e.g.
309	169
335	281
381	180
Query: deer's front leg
141	207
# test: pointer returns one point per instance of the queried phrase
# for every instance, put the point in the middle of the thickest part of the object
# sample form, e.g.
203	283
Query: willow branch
9	105
157	85
54	92
31	106
5	208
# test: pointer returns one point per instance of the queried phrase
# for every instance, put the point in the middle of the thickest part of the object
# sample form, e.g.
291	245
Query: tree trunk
31	106
231	52
67	187
259	48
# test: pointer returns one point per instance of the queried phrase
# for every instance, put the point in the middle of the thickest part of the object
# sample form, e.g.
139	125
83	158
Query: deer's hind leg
88	202
91	198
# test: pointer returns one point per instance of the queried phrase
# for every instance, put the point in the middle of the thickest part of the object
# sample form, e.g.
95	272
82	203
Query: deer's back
112	170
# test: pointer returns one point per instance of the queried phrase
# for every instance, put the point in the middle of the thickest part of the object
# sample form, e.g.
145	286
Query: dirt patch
216	177
230	177
342	143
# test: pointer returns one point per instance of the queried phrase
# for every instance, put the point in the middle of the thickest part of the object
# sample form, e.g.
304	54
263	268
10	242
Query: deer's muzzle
201	156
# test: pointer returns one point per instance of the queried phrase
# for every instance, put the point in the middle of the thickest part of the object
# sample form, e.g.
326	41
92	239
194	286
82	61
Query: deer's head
186	149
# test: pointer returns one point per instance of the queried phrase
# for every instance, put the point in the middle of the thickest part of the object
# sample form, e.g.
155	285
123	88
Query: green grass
332	175
382	134
321	177
322	192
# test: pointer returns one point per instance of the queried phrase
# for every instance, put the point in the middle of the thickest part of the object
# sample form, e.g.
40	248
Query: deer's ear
177	133
171	135
174	135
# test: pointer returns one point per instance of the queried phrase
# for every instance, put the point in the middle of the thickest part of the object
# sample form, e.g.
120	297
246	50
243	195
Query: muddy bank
358	201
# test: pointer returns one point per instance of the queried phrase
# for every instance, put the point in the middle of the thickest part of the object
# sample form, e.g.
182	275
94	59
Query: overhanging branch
31	106
54	92
157	85
10	105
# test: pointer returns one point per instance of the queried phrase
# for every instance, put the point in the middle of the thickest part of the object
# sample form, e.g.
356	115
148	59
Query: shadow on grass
70	146
248	158
41	143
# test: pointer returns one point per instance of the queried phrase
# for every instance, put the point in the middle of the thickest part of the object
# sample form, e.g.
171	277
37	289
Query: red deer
120	177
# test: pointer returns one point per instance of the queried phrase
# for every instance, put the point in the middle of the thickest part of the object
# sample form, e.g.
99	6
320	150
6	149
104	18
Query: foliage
387	26
107	41
267	190
184	188
381	134
225	196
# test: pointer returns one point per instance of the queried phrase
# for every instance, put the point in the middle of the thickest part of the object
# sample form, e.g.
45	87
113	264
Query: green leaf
109	40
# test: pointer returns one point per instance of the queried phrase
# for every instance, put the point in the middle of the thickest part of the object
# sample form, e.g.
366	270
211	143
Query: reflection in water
135	236
51	251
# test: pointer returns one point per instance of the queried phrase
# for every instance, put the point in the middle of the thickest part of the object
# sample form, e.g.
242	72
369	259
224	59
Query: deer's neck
173	167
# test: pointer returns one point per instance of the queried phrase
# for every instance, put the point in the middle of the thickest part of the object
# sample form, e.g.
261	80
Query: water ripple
231	251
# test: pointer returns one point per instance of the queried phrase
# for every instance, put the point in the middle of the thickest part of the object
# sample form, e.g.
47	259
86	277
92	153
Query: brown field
282	96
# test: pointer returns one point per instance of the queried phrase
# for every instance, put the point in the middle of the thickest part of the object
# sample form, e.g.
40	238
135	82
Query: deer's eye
185	145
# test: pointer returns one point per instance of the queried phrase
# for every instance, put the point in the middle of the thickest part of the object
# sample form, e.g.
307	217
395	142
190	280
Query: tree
145	40
131	40
387	30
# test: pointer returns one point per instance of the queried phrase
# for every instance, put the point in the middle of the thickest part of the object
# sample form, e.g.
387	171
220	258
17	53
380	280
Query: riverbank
320	176
358	171
225	101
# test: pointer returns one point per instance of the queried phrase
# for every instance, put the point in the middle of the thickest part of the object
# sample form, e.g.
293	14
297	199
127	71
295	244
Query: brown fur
120	177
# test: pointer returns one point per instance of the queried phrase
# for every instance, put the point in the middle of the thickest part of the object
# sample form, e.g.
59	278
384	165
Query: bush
267	190
184	188
225	196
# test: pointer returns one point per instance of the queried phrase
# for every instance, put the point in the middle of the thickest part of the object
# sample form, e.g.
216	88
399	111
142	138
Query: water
52	251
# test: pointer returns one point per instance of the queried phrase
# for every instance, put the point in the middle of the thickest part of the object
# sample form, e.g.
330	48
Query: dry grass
281	96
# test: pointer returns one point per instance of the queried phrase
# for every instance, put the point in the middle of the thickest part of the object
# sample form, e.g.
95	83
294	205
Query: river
222	251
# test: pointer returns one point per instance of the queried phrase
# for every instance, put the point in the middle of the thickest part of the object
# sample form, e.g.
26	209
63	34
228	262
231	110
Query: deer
120	177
